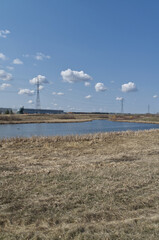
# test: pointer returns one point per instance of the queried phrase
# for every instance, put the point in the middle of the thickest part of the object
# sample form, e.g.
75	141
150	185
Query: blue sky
87	54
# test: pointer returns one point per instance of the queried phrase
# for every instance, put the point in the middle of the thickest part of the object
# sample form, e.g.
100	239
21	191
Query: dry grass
140	118
102	186
70	117
49	118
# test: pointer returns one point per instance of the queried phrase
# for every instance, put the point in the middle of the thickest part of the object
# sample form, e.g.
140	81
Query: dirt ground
100	186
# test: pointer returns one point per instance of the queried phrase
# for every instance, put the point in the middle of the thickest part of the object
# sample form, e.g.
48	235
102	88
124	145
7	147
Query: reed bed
94	186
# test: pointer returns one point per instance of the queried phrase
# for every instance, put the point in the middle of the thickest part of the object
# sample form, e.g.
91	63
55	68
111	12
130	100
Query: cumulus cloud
41	87
87	84
10	68
129	87
30	101
26	92
58	93
5	76
2	56
17	61
4	33
99	87
40	56
39	79
119	98
155	96
4	86
71	76
88	97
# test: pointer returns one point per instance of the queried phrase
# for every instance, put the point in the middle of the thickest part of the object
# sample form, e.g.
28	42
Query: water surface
61	129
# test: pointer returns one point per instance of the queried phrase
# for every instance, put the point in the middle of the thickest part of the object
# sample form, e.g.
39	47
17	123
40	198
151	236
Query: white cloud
75	76
39	79
17	61
4	33
26	55
99	87
26	92
4	85
155	96
72	108
5	76
10	68
129	87
30	101
88	97
87	84
58	93
40	56
41	87
2	56
119	98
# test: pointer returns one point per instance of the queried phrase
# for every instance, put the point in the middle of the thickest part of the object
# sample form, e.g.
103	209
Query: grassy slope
102	186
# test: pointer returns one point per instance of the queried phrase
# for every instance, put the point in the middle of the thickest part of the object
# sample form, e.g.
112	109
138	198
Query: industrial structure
37	96
122	105
41	111
4	110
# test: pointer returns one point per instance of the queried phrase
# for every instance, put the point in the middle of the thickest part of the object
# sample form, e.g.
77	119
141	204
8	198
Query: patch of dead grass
100	186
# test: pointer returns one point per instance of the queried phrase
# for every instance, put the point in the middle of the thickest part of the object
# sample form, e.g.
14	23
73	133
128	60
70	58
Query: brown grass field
49	118
91	187
71	117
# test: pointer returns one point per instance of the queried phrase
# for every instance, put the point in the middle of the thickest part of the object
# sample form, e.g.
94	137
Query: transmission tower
37	96
148	108
122	105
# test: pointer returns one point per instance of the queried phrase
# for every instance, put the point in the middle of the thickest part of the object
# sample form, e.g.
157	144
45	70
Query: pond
61	129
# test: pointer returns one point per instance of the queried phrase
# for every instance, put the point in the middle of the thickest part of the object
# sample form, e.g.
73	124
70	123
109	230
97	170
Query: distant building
41	111
4	110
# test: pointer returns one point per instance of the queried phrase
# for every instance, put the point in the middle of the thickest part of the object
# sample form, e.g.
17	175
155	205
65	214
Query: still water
61	129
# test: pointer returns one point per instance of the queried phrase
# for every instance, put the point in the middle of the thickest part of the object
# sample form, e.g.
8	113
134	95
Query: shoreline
74	121
47	121
52	118
76	118
134	121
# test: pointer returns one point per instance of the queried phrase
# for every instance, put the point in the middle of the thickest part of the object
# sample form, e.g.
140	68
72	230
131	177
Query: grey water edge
61	129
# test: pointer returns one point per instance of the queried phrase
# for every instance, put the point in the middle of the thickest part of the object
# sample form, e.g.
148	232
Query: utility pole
148	108
37	96
122	105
